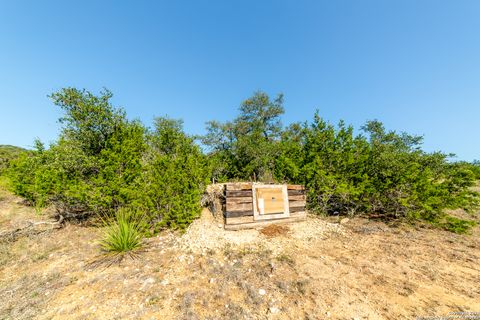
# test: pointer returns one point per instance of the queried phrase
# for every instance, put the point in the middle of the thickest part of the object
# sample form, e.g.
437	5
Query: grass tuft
124	234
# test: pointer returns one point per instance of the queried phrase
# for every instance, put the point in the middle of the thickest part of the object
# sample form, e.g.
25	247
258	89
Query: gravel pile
207	234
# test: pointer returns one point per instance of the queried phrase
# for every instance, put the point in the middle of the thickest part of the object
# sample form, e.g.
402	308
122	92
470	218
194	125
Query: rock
164	282
147	283
262	292
344	220
274	310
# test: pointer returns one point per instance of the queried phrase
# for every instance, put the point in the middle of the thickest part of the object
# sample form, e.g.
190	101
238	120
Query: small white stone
274	310
262	292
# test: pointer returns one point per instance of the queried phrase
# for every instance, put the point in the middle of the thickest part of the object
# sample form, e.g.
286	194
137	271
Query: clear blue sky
413	64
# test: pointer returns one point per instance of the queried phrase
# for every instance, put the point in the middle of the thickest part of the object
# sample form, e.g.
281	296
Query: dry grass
314	270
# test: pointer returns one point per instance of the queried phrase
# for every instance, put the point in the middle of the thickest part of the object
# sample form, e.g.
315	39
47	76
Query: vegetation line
102	163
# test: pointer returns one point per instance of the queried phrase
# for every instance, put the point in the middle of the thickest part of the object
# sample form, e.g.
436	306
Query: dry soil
316	269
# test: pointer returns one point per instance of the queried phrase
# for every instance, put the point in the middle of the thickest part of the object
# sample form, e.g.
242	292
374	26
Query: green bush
247	147
174	176
103	162
7	154
379	172
383	173
456	225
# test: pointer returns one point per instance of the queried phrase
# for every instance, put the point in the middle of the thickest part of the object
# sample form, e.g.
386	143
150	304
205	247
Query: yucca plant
124	234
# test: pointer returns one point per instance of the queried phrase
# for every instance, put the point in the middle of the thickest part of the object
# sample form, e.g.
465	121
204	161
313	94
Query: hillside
317	269
7	153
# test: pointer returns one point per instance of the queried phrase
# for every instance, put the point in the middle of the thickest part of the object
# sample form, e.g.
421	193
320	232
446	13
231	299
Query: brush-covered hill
7	153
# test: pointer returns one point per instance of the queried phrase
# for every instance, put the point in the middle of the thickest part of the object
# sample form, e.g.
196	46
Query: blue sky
413	64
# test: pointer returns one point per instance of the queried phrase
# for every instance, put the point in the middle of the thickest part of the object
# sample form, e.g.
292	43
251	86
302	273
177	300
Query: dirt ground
317	269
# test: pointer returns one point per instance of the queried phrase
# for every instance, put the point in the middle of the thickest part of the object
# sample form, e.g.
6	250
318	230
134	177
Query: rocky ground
316	269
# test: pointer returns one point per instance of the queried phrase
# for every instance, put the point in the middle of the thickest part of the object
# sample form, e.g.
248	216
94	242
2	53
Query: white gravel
206	234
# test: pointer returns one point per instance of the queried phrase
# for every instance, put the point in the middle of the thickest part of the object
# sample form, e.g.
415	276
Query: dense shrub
103	162
7	154
174	176
334	168
381	173
247	147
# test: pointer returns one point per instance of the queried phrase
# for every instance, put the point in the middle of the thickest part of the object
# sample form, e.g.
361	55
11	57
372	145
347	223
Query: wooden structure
250	205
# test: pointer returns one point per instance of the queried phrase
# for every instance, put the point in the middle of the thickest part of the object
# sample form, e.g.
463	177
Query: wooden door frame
286	209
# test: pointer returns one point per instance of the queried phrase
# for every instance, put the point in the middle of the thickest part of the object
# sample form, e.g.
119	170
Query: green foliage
103	162
384	173
474	167
247	147
89	120
456	225
333	167
124	234
174	176
7	154
380	172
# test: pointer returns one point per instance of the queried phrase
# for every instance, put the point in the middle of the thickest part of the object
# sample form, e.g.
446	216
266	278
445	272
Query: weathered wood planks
295	192
295	187
248	219
241	200
234	214
298	197
248	193
231	214
248	222
239	211
233	206
296	209
297	203
238	193
238	186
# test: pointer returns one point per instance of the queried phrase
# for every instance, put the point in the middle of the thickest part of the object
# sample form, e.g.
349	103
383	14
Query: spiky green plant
124	234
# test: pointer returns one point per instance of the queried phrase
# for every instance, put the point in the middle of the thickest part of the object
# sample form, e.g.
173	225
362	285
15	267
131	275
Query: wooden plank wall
238	207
